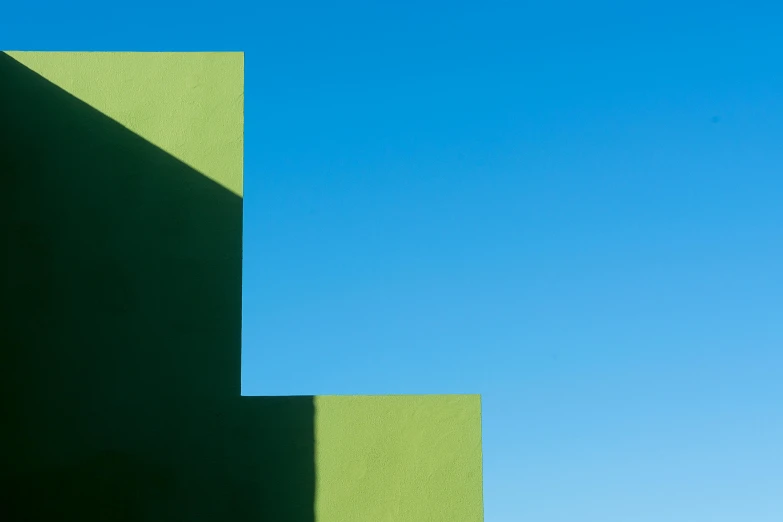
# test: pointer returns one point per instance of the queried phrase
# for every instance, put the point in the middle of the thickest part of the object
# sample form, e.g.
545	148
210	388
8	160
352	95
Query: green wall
398	458
121	208
189	105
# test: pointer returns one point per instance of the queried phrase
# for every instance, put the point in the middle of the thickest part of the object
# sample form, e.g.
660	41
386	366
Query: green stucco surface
188	104
398	458
121	203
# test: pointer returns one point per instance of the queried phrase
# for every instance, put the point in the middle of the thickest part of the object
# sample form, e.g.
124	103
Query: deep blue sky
572	208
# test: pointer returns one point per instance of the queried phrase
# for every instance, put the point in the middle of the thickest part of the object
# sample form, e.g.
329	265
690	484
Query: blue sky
571	208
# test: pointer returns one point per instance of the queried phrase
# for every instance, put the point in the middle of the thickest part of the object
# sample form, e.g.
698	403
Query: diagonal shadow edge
121	287
181	78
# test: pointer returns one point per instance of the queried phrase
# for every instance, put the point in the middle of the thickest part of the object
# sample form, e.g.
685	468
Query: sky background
572	208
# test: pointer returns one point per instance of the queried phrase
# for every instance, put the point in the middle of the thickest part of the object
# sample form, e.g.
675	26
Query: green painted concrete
121	203
121	304
190	105
399	458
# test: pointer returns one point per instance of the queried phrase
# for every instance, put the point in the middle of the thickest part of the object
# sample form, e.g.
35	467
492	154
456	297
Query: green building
121	215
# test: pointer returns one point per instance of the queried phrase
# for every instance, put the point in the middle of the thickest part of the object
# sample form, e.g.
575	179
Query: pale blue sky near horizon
571	208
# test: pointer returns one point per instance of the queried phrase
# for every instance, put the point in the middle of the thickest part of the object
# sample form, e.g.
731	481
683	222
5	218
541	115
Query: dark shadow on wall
120	287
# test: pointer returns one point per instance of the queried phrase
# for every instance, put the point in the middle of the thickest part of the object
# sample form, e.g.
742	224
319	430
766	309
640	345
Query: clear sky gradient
572	208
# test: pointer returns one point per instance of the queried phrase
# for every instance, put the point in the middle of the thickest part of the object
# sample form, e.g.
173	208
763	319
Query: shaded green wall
121	208
121	297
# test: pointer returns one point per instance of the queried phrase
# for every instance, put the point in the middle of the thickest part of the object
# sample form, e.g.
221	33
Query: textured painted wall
399	459
121	299
188	104
120	200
